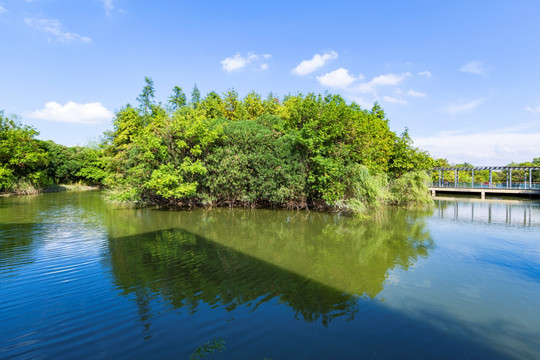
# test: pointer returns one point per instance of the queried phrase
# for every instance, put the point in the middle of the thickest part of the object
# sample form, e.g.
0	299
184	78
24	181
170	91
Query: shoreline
55	188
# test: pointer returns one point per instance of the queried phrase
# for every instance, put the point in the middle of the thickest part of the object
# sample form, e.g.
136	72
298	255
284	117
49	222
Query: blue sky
461	75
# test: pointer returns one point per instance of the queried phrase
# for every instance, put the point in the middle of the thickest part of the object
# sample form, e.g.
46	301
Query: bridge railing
486	185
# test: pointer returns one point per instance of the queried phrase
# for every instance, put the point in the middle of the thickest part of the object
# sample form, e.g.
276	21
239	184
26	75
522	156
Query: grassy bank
27	188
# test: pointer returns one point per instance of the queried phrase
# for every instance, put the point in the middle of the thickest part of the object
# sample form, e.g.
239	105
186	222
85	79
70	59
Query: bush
255	165
411	188
6	179
364	191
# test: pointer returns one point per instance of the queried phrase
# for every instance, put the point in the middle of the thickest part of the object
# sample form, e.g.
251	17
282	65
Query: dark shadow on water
187	270
17	244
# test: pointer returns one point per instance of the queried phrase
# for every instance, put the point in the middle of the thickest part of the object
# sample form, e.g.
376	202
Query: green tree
195	96
253	105
22	158
147	96
93	166
213	106
127	123
64	163
255	165
271	104
233	108
406	158
178	98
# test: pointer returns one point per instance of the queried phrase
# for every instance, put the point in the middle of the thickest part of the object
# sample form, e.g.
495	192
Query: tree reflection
318	264
18	231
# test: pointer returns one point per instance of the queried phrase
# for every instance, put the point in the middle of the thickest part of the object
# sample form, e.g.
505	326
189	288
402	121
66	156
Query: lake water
83	278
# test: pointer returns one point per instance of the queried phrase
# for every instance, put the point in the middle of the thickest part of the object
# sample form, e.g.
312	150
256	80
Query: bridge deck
484	191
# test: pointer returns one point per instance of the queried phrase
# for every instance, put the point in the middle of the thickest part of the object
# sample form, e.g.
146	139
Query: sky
462	76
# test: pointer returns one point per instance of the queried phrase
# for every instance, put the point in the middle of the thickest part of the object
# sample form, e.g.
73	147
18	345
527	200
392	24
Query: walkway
504	184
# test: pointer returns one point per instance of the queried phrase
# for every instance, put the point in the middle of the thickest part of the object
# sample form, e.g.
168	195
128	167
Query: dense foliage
300	151
22	159
28	165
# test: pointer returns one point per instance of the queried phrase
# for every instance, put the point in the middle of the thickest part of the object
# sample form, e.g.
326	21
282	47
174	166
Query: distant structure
509	187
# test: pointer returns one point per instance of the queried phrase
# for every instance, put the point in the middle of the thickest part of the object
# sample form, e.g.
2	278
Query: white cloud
108	6
389	79
416	93
395	100
535	109
52	26
308	66
2	9
455	109
238	62
474	67
425	73
365	93
339	79
488	148
381	80
89	113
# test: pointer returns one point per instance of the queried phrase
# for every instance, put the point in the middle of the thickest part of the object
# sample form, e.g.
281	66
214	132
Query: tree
21	156
64	163
233	107
378	111
146	98
271	104
406	158
127	123
213	106
195	96
253	105
178	98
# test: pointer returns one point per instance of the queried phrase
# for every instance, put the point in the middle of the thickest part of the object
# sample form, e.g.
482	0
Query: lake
81	278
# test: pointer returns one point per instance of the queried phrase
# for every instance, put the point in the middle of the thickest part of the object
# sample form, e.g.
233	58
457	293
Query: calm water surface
82	278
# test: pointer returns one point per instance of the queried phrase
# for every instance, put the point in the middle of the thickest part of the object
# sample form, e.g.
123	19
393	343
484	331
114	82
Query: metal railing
486	185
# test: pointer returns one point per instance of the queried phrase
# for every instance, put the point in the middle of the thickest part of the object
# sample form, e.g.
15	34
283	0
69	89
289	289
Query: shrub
255	165
411	188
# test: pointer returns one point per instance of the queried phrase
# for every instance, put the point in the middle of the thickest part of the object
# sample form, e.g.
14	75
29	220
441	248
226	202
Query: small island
298	152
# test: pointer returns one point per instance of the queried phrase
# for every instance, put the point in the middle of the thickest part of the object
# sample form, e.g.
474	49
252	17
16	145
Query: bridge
504	182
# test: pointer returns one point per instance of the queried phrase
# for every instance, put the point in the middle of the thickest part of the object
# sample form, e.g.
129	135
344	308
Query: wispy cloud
53	27
238	62
306	67
394	100
338	79
108	5
385	80
483	148
382	87
2	9
71	112
475	67
535	109
416	93
425	73
463	107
